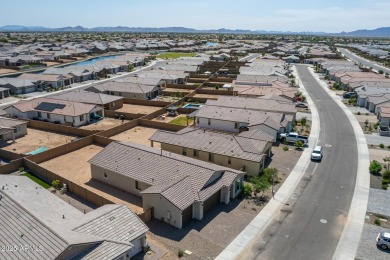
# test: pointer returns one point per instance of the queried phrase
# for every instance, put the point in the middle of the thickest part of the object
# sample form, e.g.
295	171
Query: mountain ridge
378	32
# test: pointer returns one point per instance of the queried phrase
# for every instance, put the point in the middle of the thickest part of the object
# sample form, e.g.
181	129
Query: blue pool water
192	106
211	44
37	151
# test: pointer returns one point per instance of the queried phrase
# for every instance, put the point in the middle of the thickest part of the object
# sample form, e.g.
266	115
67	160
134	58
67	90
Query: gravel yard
367	249
35	139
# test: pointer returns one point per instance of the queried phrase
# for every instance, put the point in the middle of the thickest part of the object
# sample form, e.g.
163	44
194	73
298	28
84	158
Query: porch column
197	210
151	143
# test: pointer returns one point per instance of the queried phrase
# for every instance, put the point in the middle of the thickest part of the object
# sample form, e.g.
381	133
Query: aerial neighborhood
161	146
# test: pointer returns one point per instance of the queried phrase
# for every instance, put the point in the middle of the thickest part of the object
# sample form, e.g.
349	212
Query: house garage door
187	215
212	201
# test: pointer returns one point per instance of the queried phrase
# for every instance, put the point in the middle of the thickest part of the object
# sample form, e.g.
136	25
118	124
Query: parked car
293	137
383	240
316	155
348	95
301	105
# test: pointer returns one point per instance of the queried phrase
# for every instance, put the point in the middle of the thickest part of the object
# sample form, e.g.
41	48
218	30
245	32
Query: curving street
311	225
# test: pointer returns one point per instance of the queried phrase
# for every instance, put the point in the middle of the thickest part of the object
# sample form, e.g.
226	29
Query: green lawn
182	121
175	55
37	180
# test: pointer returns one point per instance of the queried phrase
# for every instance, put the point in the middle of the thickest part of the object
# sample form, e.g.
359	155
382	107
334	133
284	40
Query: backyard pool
190	105
91	61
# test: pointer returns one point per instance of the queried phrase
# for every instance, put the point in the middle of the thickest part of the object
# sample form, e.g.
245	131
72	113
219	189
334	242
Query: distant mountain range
379	32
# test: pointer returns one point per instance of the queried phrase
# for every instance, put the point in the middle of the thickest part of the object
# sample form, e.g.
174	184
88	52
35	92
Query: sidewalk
259	224
350	238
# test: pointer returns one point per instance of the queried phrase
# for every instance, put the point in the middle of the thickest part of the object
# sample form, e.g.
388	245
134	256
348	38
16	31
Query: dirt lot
35	139
74	166
52	63
174	90
209	96
104	124
138	109
138	134
208	237
5	71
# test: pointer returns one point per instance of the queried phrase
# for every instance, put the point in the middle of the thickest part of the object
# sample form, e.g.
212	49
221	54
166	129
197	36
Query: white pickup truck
293	137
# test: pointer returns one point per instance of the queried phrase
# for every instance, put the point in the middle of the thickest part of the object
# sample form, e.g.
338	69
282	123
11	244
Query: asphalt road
311	225
363	61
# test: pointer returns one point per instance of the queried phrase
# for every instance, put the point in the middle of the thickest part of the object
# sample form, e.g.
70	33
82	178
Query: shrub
385	182
358	113
384	186
180	253
260	184
386	174
380	71
388	147
246	191
377	222
55	184
375	167
299	144
269	172
285	148
382	146
21	169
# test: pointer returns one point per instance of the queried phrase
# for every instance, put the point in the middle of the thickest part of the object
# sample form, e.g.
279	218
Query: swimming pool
190	105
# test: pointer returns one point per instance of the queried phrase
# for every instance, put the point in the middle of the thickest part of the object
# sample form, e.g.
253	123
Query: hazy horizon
298	16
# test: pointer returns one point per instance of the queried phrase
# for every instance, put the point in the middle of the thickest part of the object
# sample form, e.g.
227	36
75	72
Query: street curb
350	238
238	247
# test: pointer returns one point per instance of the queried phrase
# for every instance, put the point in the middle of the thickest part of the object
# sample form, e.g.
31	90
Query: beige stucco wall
161	207
252	168
117	180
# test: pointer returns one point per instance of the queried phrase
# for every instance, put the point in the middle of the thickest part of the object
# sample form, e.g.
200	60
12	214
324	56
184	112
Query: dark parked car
349	95
301	105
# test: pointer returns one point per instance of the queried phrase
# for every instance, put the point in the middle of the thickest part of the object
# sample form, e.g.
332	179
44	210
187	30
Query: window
1	138
105	175
17	129
39	114
137	185
236	125
209	121
229	160
184	151
196	153
82	118
238	185
48	116
211	157
197	120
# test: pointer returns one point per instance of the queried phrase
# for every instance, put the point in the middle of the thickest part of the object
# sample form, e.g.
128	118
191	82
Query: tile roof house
259	104
178	188
251	89
246	151
170	76
70	113
49	80
53	229
107	101
384	115
10	129
19	86
235	120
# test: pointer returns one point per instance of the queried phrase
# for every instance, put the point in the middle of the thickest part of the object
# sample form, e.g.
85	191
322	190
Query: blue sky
281	15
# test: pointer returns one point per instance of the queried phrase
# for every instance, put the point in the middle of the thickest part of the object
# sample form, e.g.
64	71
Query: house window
105	175
137	185
119	93
1	138
184	151
48	116
196	153
113	104
197	120
229	160
238	185
209	121
211	157
236	125
39	115
82	118
17	129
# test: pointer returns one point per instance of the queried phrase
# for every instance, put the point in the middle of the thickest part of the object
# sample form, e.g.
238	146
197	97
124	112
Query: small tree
299	144
380	71
375	167
270	173
260	184
55	184
303	122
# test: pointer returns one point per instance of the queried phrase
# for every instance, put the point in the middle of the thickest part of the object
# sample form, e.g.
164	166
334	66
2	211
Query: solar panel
46	106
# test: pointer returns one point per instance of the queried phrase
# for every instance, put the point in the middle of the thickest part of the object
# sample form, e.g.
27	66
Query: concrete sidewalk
350	238
259	224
